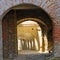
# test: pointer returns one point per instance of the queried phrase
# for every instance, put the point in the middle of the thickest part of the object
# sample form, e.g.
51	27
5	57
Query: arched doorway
18	14
29	35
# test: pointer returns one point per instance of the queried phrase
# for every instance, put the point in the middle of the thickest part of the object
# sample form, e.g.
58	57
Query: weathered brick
52	7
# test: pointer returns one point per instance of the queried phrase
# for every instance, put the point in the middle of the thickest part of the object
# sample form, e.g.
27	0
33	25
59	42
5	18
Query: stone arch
45	40
32	3
47	23
45	4
42	4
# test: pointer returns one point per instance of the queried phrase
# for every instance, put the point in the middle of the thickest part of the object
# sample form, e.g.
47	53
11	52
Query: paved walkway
29	55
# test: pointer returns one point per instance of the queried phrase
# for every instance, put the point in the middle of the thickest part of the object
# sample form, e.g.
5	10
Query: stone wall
52	7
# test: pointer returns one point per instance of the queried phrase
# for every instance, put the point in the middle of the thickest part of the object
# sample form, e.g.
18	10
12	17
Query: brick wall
52	7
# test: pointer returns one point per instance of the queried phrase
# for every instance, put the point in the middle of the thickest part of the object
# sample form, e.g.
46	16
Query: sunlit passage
30	38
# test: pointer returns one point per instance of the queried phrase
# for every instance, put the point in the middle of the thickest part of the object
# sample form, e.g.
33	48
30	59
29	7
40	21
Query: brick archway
49	6
9	21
